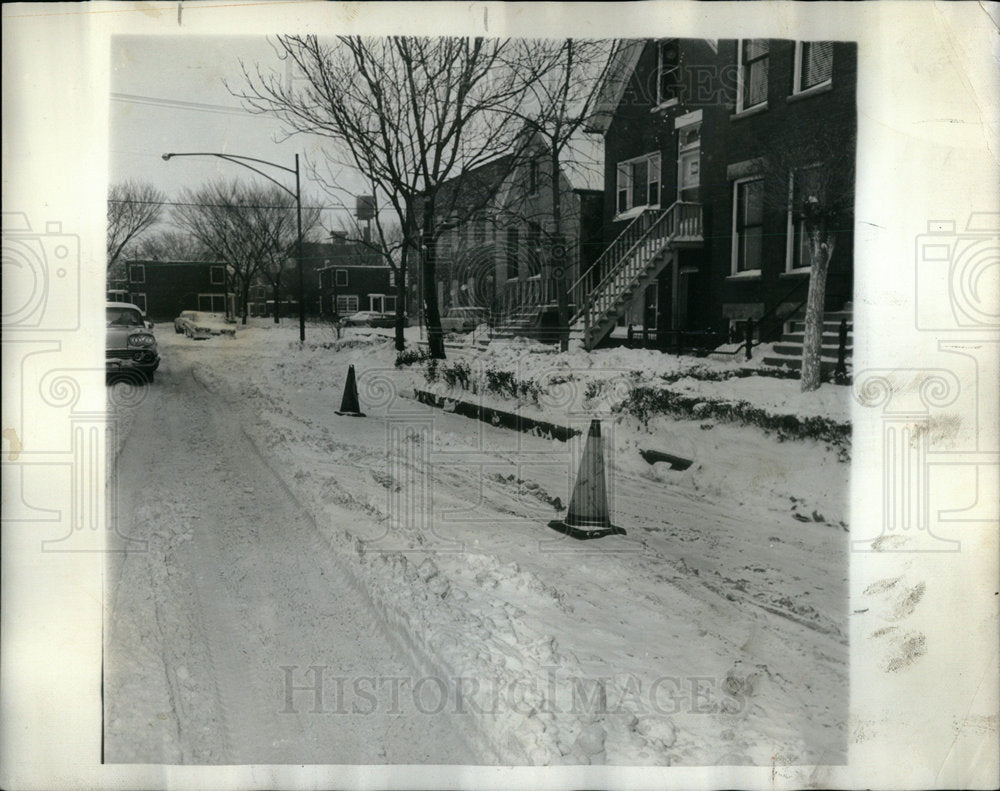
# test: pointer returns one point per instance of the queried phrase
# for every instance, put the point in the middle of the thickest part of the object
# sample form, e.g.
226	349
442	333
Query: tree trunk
401	299
245	294
276	290
821	247
435	337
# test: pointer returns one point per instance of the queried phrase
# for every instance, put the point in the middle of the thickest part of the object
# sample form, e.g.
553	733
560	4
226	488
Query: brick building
693	129
350	277
165	288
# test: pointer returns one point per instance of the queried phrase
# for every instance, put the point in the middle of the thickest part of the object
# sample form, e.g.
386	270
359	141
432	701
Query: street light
242	161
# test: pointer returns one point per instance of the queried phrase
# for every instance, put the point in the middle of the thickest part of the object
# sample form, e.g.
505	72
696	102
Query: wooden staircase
630	264
788	351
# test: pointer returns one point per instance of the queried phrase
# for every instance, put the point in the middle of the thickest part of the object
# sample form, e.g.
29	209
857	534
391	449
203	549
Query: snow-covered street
216	626
406	555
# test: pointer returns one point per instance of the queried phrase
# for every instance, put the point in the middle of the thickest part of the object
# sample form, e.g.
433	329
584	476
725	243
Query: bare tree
564	80
272	220
250	228
171	245
408	113
808	172
133	208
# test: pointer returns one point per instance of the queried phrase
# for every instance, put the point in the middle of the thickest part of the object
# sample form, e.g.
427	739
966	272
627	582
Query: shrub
411	356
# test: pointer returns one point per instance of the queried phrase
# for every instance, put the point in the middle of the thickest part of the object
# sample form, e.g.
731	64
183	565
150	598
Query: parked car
465	319
372	318
129	342
198	325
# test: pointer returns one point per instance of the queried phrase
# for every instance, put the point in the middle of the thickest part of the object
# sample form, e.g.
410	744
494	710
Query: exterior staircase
788	351
630	264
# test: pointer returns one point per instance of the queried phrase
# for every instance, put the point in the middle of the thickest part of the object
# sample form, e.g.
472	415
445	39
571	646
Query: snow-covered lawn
714	632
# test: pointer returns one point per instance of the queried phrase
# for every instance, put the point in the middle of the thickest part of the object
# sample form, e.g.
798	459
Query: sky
169	95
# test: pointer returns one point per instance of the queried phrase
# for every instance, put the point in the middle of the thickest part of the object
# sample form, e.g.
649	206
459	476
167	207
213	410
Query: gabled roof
476	187
615	82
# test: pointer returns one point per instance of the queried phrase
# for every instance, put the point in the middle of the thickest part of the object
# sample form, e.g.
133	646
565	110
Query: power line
181	104
232	205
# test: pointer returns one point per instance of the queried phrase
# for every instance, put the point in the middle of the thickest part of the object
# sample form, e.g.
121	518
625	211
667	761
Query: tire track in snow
247	589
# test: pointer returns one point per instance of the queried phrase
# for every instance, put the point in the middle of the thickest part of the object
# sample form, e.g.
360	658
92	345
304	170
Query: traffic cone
349	403
588	507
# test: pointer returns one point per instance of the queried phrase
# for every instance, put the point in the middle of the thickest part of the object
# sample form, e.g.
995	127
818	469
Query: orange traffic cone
588	507
349	403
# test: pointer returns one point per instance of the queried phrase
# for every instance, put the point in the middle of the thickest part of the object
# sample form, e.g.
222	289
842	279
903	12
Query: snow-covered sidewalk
714	632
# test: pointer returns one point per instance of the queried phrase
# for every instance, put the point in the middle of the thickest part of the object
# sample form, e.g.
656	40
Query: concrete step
790	349
829	338
828	326
827	365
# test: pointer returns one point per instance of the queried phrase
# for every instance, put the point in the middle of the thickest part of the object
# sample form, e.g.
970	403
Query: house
165	288
496	229
350	276
701	229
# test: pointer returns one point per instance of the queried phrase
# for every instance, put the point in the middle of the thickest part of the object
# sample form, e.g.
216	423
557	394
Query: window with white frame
668	71
752	65
688	161
137	273
138	299
748	225
341	277
805	190
638	183
347	304
218	275
813	64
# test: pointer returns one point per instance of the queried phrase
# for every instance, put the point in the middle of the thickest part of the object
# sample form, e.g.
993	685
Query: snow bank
713	633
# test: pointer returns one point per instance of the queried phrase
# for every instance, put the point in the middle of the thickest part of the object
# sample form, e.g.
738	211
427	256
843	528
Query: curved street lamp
243	162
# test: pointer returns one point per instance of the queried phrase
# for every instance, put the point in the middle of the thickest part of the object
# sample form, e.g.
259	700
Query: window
139	300
753	66
813	64
479	231
512	243
212	303
218	275
347	304
137	273
535	238
533	177
688	161
341	277
639	183
805	189
668	72
748	222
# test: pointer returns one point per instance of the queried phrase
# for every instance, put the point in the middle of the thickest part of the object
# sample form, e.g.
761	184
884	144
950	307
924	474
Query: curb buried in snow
497	417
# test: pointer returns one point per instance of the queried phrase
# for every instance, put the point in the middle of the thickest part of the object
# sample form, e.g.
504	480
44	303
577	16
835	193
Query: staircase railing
579	292
645	237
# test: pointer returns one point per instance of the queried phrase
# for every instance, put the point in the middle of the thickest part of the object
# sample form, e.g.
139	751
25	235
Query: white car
459	319
198	325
